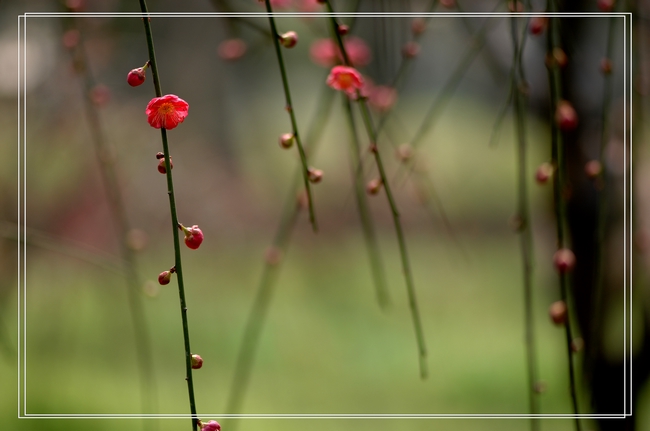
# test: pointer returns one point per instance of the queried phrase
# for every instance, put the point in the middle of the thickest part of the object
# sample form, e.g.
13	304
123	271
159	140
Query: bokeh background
326	346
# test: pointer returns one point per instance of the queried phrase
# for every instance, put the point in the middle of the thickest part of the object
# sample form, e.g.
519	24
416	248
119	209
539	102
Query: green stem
174	220
559	184
292	116
406	266
257	315
370	236
525	235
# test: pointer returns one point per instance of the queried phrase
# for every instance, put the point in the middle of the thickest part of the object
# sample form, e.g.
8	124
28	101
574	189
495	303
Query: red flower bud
544	172
136	77
593	168
197	362
373	186
161	165
537	25
315	175
343	29
286	140
564	260
289	39
565	116
193	236
606	5
410	49
164	277
211	426
558	312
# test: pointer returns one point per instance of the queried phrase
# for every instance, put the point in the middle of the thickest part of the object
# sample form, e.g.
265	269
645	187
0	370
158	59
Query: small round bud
577	345
543	173
564	260
289	39
404	152
606	66
315	175
232	49
565	116
373	186
164	277
211	426
161	165
593	168
418	26
558	312
136	77
537	25
410	49
193	236
286	140
343	29
606	5
197	362
160	155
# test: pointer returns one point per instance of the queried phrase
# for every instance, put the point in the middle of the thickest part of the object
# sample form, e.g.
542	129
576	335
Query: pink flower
193	236
211	426
346	79
382	97
326	53
166	111
232	49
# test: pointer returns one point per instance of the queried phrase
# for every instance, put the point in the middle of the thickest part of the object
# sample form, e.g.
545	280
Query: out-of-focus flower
232	49
167	111
211	426
326	53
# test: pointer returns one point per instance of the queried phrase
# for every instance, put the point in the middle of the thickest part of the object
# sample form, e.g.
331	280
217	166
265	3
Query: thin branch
174	221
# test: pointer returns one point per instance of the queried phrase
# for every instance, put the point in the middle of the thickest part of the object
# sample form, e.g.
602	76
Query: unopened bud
410	49
593	168
193	236
606	5
286	140
418	26
164	277
543	173
373	186
315	175
537	25
558	312
565	116
606	66
197	362
161	165
289	39
136	77
343	29
404	152
564	260
210	426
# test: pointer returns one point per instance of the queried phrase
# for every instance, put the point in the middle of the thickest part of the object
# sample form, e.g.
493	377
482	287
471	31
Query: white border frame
22	193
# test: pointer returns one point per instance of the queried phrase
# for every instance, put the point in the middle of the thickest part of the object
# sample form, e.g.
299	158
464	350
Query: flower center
166	108
345	80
